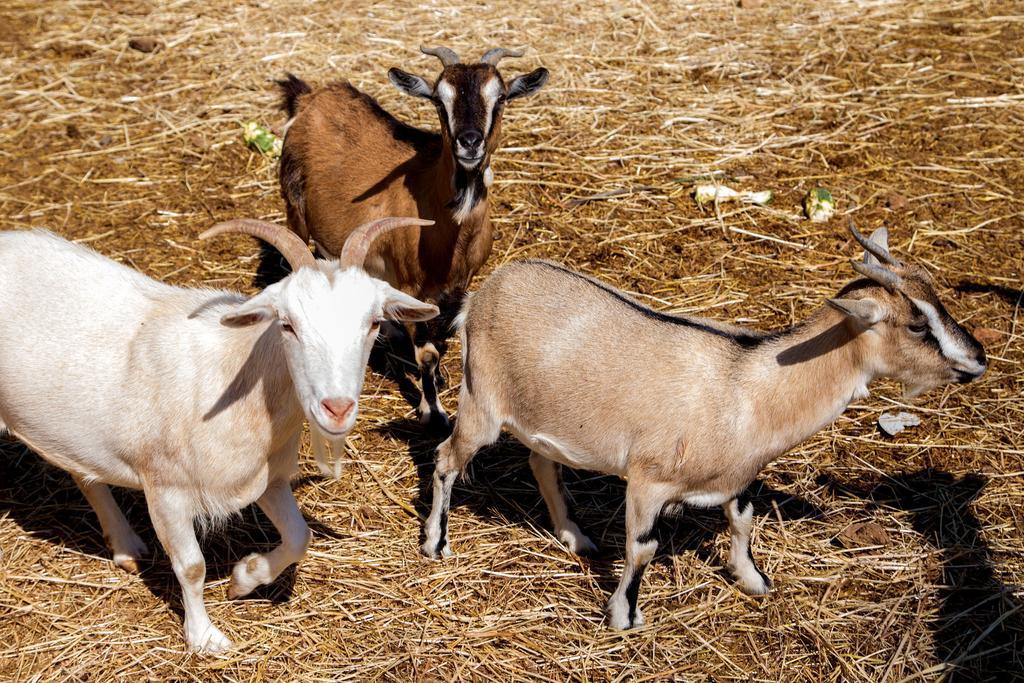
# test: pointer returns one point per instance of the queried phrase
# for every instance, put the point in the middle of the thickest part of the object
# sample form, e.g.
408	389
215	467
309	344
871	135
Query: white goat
686	409
187	394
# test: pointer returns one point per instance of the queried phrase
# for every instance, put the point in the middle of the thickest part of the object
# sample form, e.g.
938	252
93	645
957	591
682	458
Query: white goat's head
328	314
920	343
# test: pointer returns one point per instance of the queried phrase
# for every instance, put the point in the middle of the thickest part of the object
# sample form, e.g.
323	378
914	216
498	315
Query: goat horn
291	246
872	248
496	53
445	54
882	276
359	241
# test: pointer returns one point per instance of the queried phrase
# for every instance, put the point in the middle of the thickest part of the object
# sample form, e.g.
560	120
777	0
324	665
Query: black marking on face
469	100
746	341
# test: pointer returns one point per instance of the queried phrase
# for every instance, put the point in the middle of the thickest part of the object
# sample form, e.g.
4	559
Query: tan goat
686	409
347	159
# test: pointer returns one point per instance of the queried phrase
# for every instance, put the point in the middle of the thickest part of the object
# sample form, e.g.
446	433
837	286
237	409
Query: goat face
328	317
470	99
915	340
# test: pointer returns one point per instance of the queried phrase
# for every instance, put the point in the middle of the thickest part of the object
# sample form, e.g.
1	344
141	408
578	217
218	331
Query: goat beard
467	183
912	391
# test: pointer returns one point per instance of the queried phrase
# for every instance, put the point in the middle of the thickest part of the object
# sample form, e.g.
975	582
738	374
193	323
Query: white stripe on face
953	352
490	92
446	91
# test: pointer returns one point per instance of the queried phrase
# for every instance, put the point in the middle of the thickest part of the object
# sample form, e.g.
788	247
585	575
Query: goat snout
470	139
965	377
337	409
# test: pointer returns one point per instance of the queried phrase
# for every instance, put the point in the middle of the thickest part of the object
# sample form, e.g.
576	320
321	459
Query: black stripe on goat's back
747	341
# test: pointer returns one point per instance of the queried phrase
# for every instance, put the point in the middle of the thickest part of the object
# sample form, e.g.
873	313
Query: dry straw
910	111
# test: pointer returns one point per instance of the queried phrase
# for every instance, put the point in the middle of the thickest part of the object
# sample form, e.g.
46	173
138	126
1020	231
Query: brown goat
346	161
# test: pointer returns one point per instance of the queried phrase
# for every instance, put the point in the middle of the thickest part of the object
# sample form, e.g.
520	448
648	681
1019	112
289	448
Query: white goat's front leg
549	480
126	545
740	513
643	506
173	517
278	503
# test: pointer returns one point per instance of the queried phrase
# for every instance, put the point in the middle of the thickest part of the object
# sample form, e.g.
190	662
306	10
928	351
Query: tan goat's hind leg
126	545
474	429
173	517
643	506
740	513
549	480
278	503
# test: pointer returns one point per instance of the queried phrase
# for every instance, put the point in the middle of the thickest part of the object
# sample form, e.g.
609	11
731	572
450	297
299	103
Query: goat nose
470	138
337	408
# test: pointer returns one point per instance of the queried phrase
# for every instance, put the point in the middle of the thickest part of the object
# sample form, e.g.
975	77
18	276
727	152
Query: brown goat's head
470	99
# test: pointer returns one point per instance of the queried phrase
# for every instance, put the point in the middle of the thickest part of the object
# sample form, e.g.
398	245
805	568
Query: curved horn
359	241
496	53
445	54
291	246
876	250
886	278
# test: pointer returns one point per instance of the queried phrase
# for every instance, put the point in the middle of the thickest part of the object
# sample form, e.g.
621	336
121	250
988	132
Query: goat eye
918	329
287	327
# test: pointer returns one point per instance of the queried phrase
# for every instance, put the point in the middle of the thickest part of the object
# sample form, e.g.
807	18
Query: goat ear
881	238
527	84
865	311
410	84
401	307
258	309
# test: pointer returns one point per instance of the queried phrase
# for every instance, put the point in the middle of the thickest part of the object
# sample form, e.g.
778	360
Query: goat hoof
435	421
577	542
209	641
127	555
751	581
250	572
618	617
431	551
128	564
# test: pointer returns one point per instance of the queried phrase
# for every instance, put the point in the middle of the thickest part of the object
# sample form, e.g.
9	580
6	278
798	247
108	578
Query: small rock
145	43
105	140
896	201
894	423
987	335
862	534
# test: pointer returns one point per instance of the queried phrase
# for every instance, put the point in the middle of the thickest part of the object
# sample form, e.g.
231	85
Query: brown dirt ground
910	111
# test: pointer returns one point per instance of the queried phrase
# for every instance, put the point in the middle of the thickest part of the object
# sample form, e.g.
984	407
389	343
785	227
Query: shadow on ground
500	487
45	502
979	631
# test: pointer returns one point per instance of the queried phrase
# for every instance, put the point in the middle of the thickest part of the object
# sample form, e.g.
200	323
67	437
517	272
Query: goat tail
459	321
292	88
